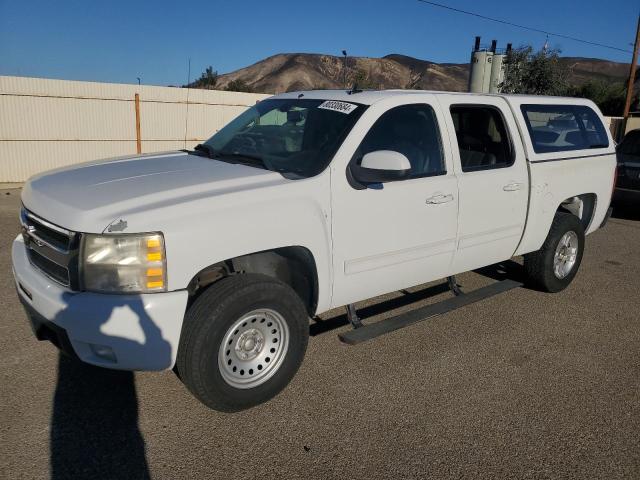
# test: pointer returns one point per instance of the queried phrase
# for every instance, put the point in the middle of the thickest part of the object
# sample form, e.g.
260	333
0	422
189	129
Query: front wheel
242	341
555	265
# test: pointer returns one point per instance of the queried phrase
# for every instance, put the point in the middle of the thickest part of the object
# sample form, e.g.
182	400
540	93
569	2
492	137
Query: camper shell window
561	128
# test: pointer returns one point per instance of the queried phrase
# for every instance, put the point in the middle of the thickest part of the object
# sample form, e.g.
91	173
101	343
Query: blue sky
117	41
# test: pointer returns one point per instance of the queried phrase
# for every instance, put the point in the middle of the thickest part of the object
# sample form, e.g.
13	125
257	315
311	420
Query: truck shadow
507	270
94	426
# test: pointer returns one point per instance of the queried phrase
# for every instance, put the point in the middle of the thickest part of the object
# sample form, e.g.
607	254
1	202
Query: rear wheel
242	341
555	265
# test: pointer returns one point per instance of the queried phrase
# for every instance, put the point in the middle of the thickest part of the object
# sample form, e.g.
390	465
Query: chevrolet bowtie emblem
30	230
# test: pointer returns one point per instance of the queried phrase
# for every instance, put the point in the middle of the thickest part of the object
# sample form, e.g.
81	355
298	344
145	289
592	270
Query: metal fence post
138	138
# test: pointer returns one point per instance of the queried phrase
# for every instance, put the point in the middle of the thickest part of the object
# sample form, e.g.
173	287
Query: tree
238	86
208	79
541	73
609	97
534	73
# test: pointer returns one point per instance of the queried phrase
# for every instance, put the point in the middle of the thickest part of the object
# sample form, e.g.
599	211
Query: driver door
402	233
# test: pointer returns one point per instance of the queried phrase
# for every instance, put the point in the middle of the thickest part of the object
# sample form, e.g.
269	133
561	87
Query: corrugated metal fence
47	124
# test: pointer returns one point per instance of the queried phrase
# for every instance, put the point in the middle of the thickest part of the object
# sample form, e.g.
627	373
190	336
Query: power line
497	20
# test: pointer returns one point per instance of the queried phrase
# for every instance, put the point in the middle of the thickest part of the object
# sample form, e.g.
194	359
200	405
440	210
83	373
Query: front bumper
128	332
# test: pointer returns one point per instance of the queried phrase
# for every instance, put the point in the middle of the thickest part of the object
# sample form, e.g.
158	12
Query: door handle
440	198
512	187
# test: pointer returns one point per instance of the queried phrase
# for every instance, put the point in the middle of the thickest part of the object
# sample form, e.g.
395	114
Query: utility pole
344	72
632	73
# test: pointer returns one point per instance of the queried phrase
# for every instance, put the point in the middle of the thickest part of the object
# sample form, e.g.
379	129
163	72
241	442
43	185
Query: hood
90	196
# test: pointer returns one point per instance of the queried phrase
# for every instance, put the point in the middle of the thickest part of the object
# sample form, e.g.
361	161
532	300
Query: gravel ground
522	385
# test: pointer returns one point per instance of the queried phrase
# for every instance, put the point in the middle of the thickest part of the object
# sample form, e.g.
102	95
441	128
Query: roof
369	97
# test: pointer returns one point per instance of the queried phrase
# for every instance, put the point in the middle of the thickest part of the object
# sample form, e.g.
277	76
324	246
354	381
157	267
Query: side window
411	130
482	137
558	128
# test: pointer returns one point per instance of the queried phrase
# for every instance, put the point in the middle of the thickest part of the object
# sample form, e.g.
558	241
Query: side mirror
381	166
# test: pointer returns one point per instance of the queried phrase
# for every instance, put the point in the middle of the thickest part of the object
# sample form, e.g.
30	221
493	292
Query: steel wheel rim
566	254
253	348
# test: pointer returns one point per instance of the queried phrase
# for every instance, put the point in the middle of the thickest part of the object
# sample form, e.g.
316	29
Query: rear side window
559	128
482	137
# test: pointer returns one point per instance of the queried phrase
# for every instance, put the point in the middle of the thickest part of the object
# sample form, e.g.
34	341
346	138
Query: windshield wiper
252	160
244	158
207	149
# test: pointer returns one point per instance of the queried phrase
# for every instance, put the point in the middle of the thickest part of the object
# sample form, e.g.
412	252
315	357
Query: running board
367	332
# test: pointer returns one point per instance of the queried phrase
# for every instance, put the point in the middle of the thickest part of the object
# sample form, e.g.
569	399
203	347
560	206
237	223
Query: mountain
584	69
302	71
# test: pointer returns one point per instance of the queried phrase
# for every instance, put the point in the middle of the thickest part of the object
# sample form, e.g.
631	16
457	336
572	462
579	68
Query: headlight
124	263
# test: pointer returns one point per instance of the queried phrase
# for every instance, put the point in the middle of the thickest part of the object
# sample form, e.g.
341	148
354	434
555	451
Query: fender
205	231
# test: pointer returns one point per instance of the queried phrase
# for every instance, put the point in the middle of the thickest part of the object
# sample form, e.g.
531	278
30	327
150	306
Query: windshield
295	137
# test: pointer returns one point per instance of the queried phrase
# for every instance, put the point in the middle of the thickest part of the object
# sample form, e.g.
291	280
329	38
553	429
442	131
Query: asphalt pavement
521	385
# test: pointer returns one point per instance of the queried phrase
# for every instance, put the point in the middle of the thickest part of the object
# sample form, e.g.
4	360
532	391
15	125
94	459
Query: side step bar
368	332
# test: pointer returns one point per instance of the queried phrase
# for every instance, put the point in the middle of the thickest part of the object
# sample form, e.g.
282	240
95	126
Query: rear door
493	180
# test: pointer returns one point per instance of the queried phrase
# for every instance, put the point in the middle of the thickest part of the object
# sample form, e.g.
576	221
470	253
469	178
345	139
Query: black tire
538	265
207	322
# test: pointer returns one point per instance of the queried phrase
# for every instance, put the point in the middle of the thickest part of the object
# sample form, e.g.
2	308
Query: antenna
186	117
354	88
344	70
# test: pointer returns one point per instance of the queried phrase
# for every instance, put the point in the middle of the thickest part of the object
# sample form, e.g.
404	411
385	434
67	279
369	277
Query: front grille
57	239
628	178
51	249
51	268
633	173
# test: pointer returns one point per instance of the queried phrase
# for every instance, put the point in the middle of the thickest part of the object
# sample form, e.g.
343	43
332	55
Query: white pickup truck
212	261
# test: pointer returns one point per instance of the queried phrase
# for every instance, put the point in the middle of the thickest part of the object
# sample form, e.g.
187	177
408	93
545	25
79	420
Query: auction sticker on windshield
342	107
